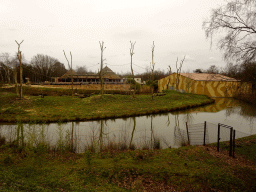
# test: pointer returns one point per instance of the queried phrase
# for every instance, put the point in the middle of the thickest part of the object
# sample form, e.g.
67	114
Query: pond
145	132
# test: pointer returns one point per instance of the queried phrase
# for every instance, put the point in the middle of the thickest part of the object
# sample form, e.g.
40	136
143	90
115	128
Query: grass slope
66	108
191	168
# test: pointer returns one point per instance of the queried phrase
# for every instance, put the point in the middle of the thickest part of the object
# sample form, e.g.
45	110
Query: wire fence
205	133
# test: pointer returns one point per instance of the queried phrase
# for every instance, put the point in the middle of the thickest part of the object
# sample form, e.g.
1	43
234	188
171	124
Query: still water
168	129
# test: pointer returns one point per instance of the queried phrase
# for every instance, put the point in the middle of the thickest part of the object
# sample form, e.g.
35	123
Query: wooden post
204	131
234	137
230	142
218	138
187	132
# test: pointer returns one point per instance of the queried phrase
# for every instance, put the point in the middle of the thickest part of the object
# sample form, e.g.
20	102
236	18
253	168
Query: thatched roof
107	74
207	77
68	74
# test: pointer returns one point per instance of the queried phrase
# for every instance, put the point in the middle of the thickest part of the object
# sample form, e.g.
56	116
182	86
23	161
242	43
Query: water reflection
145	132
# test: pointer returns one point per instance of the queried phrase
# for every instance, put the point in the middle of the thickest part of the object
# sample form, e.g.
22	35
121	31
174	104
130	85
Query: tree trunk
20	78
15	80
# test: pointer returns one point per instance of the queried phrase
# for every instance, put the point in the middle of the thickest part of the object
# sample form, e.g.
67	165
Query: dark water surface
168	129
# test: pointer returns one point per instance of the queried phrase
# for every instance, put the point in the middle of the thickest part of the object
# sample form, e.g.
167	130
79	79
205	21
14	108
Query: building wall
122	87
209	88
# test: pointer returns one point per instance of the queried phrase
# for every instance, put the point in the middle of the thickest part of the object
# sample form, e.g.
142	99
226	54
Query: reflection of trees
179	135
20	135
188	117
152	133
60	141
247	111
101	134
168	121
92	138
73	138
133	130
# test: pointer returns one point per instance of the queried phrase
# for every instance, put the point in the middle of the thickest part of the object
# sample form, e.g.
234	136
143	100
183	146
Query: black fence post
204	131
230	142
187	132
218	139
234	137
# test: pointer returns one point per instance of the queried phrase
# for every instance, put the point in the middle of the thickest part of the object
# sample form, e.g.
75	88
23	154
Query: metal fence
198	134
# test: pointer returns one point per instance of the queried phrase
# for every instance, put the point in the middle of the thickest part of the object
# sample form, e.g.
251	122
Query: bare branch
71	70
132	53
238	19
67	59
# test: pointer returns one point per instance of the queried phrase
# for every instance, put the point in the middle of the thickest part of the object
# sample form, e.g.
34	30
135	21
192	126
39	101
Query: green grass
190	168
66	108
245	147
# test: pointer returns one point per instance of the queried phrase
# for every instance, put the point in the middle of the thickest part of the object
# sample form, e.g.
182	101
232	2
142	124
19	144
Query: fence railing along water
198	134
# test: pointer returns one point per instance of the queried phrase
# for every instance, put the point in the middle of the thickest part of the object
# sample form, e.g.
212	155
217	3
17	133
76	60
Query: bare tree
81	70
179	71
132	53
102	48
71	70
20	61
213	69
152	66
15	63
169	70
188	82
231	70
1	73
44	65
198	71
6	66
238	19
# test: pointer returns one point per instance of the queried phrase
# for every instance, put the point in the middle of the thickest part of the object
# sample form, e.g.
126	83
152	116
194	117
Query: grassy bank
191	168
66	108
51	91
245	147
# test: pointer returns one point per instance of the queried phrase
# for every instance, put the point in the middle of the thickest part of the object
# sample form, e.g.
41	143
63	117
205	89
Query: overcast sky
51	26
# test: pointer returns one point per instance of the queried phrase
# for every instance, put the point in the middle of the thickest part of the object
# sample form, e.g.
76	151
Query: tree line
40	69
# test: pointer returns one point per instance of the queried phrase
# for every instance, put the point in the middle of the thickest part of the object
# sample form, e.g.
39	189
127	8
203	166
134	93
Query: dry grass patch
224	156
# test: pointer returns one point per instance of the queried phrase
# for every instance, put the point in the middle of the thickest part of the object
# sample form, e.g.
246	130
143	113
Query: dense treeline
40	69
245	72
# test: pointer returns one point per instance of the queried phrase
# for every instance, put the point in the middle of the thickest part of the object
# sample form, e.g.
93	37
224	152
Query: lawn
190	168
67	108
